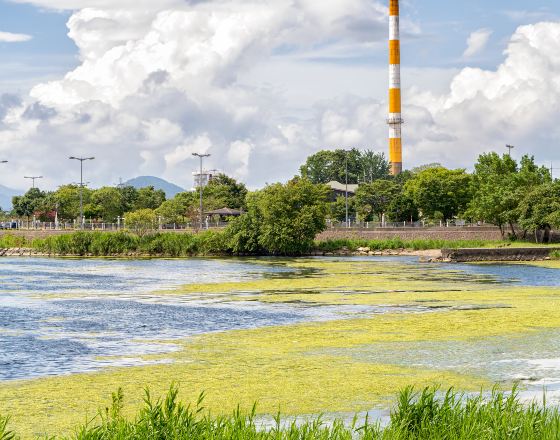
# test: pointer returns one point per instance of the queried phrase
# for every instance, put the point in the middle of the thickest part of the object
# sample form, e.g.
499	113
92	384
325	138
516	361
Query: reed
425	415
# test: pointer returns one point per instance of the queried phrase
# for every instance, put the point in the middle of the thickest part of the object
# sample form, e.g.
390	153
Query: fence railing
101	226
409	224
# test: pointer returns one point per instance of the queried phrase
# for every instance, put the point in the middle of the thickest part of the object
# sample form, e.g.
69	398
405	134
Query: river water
63	316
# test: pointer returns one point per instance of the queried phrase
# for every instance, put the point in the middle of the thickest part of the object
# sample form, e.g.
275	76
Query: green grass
425	415
397	243
168	244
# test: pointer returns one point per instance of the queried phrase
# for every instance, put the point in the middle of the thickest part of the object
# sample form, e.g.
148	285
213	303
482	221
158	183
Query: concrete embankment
20	252
498	254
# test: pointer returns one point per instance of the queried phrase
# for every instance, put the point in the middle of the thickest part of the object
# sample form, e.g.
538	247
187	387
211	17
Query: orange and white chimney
395	117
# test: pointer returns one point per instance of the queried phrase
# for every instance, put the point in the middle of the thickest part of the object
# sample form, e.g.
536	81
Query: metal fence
409	224
99	226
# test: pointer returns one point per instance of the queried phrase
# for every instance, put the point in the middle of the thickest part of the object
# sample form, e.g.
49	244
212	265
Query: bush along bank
427	415
210	243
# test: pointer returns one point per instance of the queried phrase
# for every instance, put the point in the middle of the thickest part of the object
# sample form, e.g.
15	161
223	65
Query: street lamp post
33	178
346	196
552	169
82	160
200	156
509	147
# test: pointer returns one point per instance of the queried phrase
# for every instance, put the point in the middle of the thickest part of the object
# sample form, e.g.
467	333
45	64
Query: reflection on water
61	316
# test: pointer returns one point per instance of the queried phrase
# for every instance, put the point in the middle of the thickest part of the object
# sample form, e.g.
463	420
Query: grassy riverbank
427	415
206	244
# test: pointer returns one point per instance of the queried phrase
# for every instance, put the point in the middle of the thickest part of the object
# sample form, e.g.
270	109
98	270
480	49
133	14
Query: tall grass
425	415
4	433
334	245
13	241
169	244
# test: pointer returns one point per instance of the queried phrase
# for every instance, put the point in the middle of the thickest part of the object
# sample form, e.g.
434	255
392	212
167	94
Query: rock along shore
433	255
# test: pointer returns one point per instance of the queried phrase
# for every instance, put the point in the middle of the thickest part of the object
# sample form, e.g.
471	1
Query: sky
262	84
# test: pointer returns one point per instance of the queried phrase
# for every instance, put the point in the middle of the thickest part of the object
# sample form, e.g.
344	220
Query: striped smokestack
395	118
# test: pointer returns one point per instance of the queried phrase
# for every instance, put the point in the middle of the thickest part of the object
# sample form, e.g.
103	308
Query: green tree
109	203
539	210
67	201
281	219
141	221
175	210
439	190
374	166
28	204
337	209
499	184
373	199
129	195
149	198
224	192
326	166
402	209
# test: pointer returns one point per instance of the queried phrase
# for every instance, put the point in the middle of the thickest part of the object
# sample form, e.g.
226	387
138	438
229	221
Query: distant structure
395	117
203	179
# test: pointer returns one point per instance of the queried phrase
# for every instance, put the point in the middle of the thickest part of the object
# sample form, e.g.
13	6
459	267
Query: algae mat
410	321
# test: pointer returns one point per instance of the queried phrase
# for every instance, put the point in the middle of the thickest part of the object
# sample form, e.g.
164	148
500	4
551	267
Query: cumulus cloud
477	42
160	80
9	37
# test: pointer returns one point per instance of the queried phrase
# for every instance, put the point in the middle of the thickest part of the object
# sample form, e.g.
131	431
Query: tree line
521	198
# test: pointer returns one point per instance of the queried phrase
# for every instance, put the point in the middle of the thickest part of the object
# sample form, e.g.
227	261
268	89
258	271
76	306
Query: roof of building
337	186
225	212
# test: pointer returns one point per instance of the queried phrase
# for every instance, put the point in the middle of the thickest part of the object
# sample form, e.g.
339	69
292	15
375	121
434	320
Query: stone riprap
497	254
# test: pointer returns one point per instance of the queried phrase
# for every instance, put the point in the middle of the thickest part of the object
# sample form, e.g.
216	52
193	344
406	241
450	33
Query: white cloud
477	42
233	78
8	37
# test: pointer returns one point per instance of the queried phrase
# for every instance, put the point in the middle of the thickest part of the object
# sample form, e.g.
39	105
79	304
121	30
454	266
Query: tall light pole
3	161
33	178
200	156
509	147
346	197
552	170
82	160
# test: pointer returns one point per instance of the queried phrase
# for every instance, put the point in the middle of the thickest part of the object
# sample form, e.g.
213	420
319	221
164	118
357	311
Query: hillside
6	195
143	181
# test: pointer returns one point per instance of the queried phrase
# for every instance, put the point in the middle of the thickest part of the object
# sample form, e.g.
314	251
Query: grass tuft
425	415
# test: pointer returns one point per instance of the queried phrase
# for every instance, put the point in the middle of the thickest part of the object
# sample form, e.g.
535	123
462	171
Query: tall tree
539	210
108	202
326	166
440	192
499	184
373	199
281	219
149	198
67	200
28	204
374	165
224	192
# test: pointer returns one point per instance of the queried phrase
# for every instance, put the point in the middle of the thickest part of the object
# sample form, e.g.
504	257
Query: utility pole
552	170
200	156
346	165
82	160
33	178
509	147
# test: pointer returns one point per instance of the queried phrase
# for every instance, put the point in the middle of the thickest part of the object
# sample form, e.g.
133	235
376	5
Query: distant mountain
6	195
170	189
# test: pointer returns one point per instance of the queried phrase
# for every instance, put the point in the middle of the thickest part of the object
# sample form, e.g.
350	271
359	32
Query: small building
339	189
225	212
